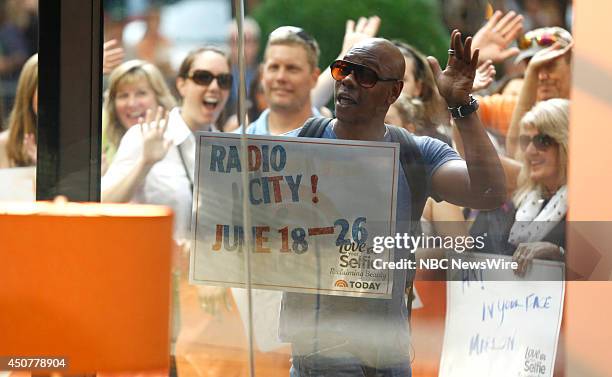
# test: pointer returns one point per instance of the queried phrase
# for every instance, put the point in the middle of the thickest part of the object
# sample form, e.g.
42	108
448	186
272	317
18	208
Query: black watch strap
464	110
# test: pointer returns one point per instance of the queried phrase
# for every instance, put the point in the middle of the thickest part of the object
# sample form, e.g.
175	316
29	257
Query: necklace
383	138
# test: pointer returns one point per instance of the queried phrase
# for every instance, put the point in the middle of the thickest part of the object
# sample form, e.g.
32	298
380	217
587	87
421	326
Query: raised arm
477	182
112	56
154	149
528	96
496	35
485	75
365	28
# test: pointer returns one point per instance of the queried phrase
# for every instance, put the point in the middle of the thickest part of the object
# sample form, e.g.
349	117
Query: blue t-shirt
260	125
377	326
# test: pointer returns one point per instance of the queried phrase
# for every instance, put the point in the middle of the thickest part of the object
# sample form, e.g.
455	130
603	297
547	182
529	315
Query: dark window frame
70	99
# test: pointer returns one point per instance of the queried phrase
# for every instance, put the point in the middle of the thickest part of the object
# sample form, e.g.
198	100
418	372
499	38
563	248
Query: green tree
417	22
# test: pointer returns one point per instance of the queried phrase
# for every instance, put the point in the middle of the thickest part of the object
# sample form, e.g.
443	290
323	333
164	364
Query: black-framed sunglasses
540	141
365	76
204	77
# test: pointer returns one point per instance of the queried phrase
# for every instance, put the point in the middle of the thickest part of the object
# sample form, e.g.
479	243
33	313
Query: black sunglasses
203	77
366	77
540	141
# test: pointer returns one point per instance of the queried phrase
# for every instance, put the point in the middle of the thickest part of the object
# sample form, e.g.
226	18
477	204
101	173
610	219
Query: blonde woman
538	231
531	224
154	162
135	86
18	142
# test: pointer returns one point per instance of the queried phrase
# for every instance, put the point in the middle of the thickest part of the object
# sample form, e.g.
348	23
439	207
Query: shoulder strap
414	170
314	127
410	158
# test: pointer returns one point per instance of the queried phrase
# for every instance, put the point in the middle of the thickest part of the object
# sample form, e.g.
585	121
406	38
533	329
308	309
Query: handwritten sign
315	206
498	324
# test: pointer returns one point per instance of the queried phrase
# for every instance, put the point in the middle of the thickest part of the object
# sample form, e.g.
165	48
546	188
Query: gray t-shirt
375	329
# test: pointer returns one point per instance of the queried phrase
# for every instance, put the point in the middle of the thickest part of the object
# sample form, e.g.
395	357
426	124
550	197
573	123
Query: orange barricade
427	323
89	282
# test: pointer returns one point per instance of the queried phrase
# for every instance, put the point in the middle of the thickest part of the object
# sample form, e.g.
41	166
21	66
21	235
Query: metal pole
246	215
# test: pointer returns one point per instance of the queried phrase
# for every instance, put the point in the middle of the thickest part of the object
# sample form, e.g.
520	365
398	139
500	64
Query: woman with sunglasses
155	161
532	224
538	231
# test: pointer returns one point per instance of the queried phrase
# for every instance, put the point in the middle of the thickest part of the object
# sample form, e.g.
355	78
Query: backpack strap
414	170
410	158
314	127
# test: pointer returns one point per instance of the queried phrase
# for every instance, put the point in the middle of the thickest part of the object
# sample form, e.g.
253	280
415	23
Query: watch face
464	110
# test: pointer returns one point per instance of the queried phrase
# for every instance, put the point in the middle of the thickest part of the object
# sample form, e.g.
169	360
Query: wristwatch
464	110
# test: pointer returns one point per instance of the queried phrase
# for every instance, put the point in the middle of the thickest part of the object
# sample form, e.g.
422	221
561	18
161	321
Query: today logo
357	284
341	283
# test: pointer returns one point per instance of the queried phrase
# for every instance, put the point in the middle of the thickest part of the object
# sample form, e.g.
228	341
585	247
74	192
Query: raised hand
547	55
365	28
155	145
29	146
485	74
111	56
496	35
456	81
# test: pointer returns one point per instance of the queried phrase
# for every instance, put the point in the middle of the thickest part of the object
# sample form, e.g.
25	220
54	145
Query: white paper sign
503	328
18	184
306	197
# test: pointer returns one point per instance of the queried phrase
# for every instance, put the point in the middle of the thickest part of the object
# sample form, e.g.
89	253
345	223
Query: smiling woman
538	231
543	141
134	87
154	162
203	81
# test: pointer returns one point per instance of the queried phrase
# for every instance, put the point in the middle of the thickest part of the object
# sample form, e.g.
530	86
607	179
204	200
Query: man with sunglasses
547	75
293	86
346	336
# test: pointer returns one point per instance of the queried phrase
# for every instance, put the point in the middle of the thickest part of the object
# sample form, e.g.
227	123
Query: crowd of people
495	148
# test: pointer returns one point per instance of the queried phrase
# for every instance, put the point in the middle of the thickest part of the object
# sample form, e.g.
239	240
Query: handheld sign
18	184
309	234
498	324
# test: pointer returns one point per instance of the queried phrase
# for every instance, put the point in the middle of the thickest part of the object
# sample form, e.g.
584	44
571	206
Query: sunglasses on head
366	77
543	40
203	77
294	30
540	141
